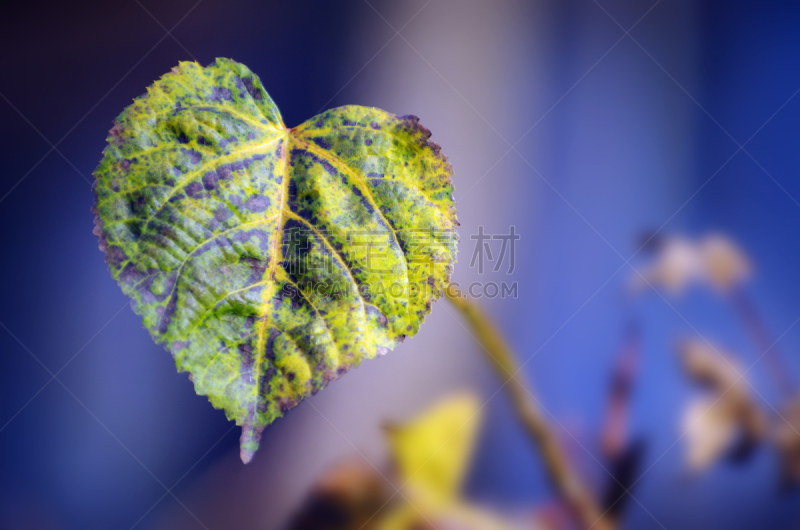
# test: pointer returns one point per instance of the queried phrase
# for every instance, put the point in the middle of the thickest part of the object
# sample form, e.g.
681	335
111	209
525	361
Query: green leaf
270	260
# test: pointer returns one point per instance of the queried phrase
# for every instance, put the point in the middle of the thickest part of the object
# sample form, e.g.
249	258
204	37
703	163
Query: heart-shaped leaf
271	260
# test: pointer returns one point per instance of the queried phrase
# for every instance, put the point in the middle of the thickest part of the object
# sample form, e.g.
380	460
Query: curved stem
567	484
758	329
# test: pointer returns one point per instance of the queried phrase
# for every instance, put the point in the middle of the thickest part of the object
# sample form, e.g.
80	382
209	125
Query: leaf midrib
261	341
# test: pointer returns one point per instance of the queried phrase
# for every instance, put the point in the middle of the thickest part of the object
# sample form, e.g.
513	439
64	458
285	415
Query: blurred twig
566	483
755	324
622	455
613	440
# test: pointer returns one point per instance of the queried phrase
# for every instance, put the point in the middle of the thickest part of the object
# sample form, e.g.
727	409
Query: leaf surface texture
269	260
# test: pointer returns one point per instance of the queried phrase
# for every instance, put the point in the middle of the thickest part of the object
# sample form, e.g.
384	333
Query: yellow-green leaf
432	453
269	260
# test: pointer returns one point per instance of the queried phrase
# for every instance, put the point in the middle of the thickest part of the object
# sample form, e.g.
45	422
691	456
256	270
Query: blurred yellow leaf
431	454
433	451
402	518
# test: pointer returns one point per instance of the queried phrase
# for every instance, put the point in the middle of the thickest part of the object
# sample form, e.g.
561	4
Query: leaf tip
249	442
246	455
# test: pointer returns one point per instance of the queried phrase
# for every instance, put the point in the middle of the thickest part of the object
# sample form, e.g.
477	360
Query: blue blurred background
614	134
